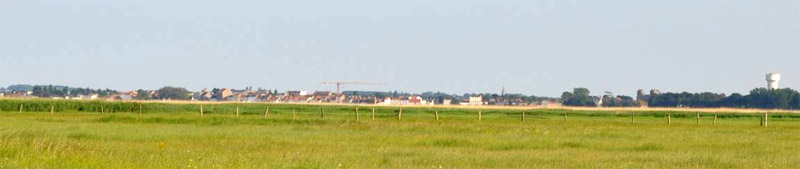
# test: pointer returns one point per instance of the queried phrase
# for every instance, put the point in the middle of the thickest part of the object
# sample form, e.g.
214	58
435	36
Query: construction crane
340	84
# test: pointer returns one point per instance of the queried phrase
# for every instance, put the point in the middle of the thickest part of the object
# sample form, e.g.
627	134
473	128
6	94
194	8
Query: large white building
476	100
773	80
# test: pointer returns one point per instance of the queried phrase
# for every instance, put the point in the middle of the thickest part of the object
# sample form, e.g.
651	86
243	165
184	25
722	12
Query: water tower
772	80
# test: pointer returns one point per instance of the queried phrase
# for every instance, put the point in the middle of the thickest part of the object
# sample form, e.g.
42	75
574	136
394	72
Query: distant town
771	97
257	95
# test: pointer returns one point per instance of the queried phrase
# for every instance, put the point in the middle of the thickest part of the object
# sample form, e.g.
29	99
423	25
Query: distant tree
173	93
734	100
758	98
581	92
579	97
566	96
771	99
795	102
20	87
37	91
620	101
142	95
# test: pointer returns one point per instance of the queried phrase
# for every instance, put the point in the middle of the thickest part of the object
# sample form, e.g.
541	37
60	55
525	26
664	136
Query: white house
476	100
84	97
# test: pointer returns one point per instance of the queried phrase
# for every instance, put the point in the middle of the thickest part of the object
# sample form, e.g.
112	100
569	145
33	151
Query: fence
237	109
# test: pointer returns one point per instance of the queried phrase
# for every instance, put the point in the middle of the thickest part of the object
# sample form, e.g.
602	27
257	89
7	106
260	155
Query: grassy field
181	138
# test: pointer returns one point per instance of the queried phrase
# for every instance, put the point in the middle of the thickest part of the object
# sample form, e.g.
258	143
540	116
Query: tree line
64	91
165	93
757	98
168	92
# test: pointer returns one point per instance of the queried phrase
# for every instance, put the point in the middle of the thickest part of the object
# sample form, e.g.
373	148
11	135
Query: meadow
101	134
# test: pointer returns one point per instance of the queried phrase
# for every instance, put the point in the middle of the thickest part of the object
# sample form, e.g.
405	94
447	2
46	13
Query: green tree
173	93
566	96
795	104
142	95
581	92
578	97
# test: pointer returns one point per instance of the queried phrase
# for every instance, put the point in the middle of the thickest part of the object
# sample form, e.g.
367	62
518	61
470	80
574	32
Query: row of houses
29	94
302	96
472	100
410	100
299	96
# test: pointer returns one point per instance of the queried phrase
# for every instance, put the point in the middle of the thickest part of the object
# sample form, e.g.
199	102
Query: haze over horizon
532	47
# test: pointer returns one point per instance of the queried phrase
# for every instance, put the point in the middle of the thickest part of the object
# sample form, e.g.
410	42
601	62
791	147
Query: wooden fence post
201	110
633	117
523	116
761	121
20	108
357	114
52	109
140	109
436	114
669	118
400	114
565	116
698	118
714	122
266	113
237	111
480	115
766	119
321	113
373	114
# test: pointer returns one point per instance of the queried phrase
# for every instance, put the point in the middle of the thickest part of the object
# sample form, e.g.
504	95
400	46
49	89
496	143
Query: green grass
183	139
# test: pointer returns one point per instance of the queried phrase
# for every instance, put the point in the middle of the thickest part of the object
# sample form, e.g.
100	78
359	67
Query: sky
532	47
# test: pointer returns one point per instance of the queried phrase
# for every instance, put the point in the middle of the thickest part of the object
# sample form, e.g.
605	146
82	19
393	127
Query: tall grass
180	140
77	106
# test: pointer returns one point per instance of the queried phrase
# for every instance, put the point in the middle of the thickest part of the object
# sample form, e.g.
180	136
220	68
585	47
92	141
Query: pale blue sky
535	47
